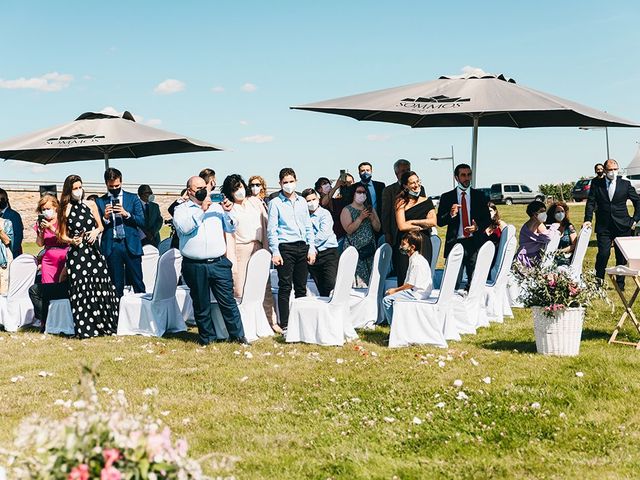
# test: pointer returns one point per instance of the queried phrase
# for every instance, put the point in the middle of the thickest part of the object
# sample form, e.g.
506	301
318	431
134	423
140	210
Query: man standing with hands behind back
608	197
465	213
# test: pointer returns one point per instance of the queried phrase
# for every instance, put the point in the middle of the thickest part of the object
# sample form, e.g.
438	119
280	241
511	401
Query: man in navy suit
122	215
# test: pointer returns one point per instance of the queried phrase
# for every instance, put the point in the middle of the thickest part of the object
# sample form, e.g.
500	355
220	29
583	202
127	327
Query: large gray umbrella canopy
468	101
95	136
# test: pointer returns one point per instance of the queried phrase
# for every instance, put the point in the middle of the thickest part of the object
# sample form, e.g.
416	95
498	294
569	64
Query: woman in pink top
55	253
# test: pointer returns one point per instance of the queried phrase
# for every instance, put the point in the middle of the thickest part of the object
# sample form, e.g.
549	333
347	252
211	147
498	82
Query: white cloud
217	89
39	169
248	87
153	122
111	111
244	122
49	82
170	85
258	139
469	70
378	138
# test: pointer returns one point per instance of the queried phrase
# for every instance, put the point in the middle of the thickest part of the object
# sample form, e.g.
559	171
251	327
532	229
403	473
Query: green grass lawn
299	411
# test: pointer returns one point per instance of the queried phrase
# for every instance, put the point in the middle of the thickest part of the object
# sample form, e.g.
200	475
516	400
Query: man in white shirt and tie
608	198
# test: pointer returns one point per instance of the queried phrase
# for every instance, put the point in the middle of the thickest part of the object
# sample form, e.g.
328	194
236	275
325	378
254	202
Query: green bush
559	191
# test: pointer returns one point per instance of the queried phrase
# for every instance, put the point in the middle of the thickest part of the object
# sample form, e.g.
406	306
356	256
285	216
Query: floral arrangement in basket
98	441
554	288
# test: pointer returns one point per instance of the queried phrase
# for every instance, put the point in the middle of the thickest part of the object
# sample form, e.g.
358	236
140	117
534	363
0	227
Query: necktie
465	214
611	189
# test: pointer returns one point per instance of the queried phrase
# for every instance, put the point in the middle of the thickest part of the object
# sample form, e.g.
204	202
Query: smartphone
343	175
40	218
217	197
115	201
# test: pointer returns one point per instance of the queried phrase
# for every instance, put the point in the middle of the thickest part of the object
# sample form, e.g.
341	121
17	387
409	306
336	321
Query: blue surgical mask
414	194
365	177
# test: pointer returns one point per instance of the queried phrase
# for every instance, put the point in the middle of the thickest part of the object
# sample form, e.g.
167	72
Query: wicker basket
559	334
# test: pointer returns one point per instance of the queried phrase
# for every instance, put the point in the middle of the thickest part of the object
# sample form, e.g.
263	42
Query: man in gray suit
150	234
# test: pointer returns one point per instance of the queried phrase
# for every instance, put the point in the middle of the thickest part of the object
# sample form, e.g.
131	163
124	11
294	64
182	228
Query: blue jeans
389	300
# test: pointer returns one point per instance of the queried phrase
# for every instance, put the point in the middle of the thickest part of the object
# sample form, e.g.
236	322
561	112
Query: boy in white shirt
418	283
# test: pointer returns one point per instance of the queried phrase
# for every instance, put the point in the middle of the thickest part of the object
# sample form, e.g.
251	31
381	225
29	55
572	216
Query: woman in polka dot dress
91	292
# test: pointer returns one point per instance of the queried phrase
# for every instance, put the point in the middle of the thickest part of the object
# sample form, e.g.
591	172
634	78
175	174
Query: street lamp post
606	136
452	158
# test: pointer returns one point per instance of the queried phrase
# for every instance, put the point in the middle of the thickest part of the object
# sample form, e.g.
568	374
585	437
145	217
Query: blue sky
240	65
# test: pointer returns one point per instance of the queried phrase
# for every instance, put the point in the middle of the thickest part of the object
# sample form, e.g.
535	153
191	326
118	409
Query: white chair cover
428	322
156	313
552	246
16	309
164	246
150	258
185	304
497	301
436	244
509	231
469	309
60	318
365	304
326	320
254	318
579	253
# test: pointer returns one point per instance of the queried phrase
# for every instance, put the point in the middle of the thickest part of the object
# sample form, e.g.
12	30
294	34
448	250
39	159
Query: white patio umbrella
96	136
467	101
634	167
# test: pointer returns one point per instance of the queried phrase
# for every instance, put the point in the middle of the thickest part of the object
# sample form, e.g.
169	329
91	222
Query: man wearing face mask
291	242
201	225
325	268
150	234
14	217
374	188
122	216
608	197
465	213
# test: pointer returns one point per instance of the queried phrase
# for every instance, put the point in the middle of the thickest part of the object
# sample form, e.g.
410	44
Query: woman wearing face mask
55	251
414	213
534	236
249	237
330	199
92	295
558	214
361	223
258	188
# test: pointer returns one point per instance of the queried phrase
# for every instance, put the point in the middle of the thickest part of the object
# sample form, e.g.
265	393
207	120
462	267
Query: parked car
635	181
581	189
510	193
486	191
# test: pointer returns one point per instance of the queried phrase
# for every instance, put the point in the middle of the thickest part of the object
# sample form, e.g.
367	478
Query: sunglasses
255	185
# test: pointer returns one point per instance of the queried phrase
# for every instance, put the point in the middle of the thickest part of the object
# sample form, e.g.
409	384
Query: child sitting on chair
418	283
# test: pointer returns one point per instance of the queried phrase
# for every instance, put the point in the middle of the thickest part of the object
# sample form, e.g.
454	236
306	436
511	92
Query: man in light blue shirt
201	225
325	268
291	241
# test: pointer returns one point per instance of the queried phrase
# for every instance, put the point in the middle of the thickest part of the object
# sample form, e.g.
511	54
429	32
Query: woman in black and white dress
91	292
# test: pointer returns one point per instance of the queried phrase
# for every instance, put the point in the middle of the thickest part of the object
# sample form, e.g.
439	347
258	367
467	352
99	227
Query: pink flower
110	473
81	472
110	455
181	447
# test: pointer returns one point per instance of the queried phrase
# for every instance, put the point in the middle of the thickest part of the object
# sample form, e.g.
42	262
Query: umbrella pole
474	149
106	160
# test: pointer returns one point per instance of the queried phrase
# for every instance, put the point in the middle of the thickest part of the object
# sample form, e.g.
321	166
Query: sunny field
363	411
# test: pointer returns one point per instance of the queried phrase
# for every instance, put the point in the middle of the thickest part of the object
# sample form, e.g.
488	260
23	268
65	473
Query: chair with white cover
497	300
552	246
16	309
150	256
60	318
326	320
365	303
164	246
436	244
469	309
582	242
254	318
153	314
428	322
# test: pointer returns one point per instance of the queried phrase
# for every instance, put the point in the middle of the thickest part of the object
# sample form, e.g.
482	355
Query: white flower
79	404
332	380
45	374
118	359
487	380
248	354
389	419
236	352
356	400
462	396
535	405
457	383
440	405
244	379
374	354
339	361
441	364
17	378
148	392
416	421
164	413
562	415
579	374
474	362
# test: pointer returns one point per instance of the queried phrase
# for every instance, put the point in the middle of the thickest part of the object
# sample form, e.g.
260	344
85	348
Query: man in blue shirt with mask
374	188
291	242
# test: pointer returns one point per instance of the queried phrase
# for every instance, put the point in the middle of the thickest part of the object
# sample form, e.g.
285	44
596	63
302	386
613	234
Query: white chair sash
254	318
365	304
150	258
16	309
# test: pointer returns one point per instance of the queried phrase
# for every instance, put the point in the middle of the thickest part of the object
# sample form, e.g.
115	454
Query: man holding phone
465	213
122	216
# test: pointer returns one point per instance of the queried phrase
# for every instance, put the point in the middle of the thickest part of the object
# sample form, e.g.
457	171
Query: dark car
581	190
486	191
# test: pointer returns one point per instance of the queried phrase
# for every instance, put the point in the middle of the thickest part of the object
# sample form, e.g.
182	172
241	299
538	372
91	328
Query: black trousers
605	240
469	258
203	277
294	269
41	295
122	265
325	270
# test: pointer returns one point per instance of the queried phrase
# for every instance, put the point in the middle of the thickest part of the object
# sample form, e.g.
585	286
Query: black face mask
201	194
3	203
115	191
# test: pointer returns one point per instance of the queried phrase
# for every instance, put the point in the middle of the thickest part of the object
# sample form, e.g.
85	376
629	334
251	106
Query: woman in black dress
414	213
91	292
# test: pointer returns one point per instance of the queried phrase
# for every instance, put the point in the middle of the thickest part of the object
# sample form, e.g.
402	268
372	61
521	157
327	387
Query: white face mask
313	205
559	216
289	187
360	198
326	188
77	194
48	213
240	194
542	217
493	213
462	187
152	198
611	174
256	189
